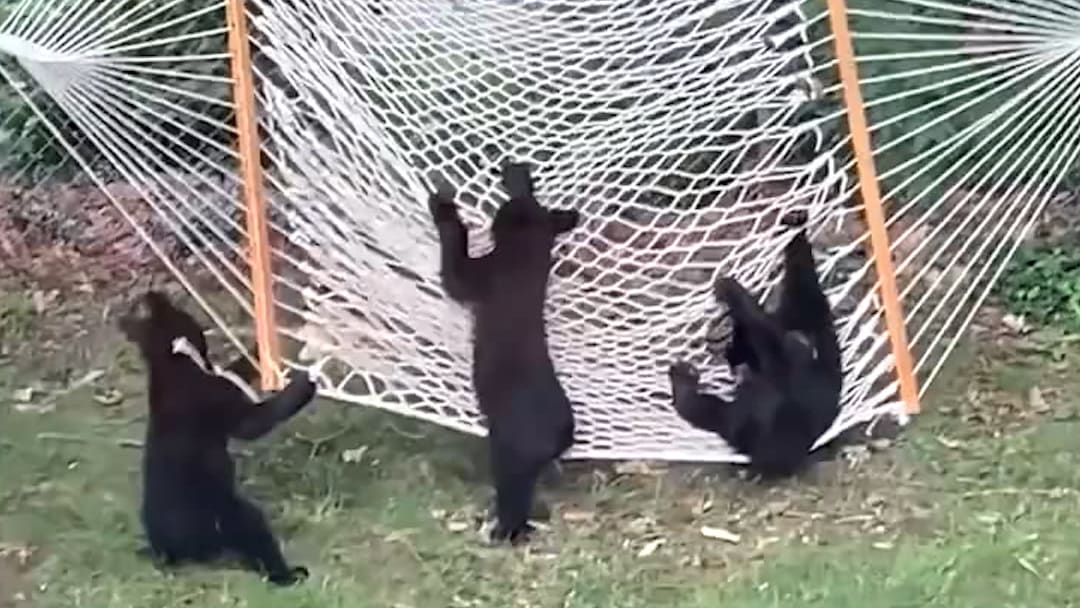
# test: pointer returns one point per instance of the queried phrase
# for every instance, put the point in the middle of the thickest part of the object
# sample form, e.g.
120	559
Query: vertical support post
871	196
258	246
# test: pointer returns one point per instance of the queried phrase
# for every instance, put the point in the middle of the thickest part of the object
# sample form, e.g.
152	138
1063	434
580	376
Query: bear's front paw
684	375
796	218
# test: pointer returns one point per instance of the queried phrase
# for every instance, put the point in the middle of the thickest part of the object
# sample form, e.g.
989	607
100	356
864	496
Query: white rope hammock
679	129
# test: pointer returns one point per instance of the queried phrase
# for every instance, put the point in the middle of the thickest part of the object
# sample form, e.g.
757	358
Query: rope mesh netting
681	130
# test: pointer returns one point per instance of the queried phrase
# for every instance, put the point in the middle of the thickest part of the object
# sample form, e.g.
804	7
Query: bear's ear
563	220
157	303
517	179
442	188
131	328
133	323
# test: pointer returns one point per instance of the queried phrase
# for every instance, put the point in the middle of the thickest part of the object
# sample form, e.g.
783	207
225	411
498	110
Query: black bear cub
788	393
191	509
529	418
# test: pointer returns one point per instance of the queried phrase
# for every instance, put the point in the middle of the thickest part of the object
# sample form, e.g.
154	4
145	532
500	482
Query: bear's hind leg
247	532
515	474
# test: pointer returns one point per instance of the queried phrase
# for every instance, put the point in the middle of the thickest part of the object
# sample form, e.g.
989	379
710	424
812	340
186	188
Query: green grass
965	510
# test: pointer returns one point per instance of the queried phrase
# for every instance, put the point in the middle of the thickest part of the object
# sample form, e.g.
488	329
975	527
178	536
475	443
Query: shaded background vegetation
1042	283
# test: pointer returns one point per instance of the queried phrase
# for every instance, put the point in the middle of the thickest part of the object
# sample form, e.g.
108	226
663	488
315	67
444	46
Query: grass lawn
975	505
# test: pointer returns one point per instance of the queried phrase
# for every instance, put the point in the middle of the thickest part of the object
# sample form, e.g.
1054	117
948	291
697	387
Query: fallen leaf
21	554
354	455
578	516
1016	324
952	444
42	300
687	560
720	534
651	547
855	455
89	377
109	397
776	508
1026	565
639	526
34	408
1037	401
703	506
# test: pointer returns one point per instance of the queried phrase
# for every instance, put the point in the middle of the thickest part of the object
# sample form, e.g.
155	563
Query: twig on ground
854	519
318	442
1026	565
413	436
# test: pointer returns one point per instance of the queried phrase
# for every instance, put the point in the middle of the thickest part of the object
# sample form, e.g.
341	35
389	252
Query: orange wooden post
258	246
871	195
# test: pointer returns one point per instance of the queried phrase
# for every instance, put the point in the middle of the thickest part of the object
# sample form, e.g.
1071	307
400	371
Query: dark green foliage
1043	284
939	104
23	138
29	151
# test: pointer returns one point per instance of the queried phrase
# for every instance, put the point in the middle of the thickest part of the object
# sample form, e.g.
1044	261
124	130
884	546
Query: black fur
789	390
191	509
529	418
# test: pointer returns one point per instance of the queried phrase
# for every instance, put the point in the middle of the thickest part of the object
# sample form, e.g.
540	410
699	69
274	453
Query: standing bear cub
191	509
529	418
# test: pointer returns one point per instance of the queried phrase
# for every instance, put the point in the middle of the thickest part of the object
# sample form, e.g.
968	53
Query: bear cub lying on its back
789	393
191	509
529	418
